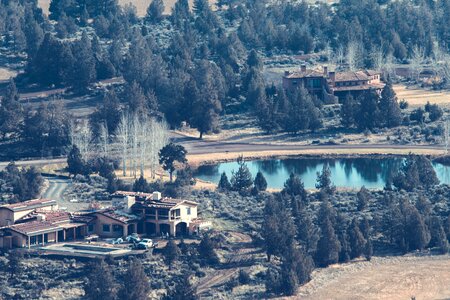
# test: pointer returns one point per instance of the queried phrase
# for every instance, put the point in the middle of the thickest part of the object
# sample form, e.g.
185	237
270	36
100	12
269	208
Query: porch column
125	230
29	241
56	236
43	239
74	233
172	229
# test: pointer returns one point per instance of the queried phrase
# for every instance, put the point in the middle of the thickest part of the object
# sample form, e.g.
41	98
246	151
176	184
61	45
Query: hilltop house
330	87
39	222
161	215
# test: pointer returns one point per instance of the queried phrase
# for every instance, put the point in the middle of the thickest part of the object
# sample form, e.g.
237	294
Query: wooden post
29	241
43	239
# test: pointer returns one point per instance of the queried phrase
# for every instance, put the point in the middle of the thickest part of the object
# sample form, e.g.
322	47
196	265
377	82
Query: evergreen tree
241	180
15	267
348	111
171	253
295	187
170	154
368	114
75	162
324	183
183	290
155	11
11	111
100	282
260	182
357	241
141	185
135	282
207	251
389	108
438	236
417	232
363	197
328	246
368	250
224	183
84	72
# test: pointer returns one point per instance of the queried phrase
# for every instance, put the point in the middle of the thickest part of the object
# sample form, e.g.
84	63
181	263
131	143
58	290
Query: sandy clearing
6	74
382	278
416	97
197	159
141	5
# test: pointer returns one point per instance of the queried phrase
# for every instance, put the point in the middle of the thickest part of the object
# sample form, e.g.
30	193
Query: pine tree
224	183
368	114
363	197
241	180
390	110
75	162
135	283
155	11
295	187
183	290
207	251
171	253
348	111
260	182
100	282
324	183
417	232
357	241
328	247
368	250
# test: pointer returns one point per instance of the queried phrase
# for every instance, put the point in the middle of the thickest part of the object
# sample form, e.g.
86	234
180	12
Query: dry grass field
382	278
419	97
141	5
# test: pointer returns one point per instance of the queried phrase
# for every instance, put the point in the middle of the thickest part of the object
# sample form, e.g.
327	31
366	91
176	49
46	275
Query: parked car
146	244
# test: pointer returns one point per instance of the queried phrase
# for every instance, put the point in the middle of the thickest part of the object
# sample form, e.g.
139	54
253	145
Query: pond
350	173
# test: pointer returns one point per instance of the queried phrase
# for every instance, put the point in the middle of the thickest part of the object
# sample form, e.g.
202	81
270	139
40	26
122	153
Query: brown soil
394	278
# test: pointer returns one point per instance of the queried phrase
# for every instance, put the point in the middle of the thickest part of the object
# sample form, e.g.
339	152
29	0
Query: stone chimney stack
332	76
286	73
157	196
325	71
303	68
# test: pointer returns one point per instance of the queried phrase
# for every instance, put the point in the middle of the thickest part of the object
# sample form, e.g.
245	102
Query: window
106	228
91	227
117	228
188	211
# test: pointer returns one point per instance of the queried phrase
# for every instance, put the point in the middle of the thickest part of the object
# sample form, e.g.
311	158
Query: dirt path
236	261
382	278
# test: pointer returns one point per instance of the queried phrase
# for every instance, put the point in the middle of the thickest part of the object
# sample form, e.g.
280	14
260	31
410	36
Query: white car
147	243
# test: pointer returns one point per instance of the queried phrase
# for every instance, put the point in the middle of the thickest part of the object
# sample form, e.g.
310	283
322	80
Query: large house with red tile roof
39	222
162	215
330	87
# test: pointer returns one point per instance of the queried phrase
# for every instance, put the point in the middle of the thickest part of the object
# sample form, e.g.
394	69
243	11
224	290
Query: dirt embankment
393	278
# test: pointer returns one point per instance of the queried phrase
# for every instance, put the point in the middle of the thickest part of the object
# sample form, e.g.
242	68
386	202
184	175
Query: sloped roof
30	204
34	227
118	215
305	74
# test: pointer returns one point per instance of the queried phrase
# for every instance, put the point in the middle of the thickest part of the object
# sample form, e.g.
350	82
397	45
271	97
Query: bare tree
81	136
354	55
123	138
416	61
160	137
339	57
389	66
104	140
378	58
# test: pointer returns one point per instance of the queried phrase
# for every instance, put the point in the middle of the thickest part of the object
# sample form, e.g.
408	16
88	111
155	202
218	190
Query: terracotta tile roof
33	227
135	194
358	87
118	215
30	204
305	74
351	76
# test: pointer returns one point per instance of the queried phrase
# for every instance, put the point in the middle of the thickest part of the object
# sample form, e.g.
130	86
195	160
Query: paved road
197	147
56	188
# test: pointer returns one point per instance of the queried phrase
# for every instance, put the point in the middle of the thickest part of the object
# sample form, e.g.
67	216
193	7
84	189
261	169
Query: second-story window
188	211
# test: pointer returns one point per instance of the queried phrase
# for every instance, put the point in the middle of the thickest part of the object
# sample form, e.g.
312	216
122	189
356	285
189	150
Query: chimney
332	76
303	68
325	71
156	196
286	73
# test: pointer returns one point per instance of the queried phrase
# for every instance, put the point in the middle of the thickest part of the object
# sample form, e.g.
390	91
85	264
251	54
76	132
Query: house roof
29	228
168	203
304	74
30	204
118	215
352	76
358	87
